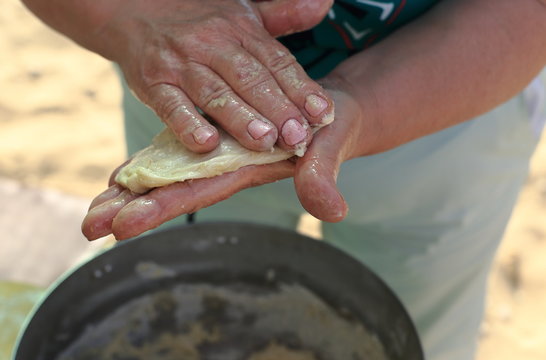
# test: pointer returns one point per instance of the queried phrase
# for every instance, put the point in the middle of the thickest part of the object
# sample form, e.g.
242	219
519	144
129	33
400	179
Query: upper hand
125	214
217	55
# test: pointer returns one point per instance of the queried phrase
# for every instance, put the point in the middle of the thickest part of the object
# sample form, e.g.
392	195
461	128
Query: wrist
100	35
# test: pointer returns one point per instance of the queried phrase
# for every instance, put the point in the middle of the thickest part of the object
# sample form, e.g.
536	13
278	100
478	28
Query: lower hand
126	214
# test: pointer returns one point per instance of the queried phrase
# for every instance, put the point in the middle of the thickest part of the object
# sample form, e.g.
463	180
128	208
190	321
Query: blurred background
61	135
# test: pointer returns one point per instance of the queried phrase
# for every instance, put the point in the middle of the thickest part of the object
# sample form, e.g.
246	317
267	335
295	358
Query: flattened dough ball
167	161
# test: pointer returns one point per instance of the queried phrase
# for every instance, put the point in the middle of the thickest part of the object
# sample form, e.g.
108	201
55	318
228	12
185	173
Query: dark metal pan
231	278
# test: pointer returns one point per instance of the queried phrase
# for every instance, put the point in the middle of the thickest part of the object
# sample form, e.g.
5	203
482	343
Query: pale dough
167	161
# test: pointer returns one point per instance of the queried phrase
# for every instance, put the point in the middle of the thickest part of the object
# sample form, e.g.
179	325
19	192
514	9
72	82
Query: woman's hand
126	214
218	55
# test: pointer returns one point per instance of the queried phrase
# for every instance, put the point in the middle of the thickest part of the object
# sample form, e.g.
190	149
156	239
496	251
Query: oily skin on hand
215	55
253	88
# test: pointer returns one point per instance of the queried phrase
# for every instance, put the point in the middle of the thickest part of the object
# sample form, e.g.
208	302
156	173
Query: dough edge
167	161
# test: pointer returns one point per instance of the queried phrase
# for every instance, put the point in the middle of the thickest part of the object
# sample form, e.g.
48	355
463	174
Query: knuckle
259	84
165	100
149	74
154	72
279	60
290	76
167	109
260	87
250	73
213	94
247	69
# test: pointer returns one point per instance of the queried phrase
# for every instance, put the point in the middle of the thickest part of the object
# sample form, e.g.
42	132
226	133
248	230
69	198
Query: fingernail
293	132
315	105
257	129
202	134
328	118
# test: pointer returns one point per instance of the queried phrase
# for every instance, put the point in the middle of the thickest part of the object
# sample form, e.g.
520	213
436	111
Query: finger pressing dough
167	161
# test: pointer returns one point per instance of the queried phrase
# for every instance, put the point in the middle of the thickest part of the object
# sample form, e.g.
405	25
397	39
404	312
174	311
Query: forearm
459	60
81	20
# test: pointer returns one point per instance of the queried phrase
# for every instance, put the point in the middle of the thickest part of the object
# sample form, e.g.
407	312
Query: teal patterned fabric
349	27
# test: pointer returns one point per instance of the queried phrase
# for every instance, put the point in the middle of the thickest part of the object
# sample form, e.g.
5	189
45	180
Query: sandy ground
61	131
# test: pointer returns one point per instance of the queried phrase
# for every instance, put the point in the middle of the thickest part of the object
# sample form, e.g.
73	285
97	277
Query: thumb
284	17
315	181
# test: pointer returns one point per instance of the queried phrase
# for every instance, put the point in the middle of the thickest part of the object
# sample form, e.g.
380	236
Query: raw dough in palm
167	161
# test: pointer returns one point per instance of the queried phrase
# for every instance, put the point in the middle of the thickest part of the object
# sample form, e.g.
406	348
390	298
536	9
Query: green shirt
351	26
